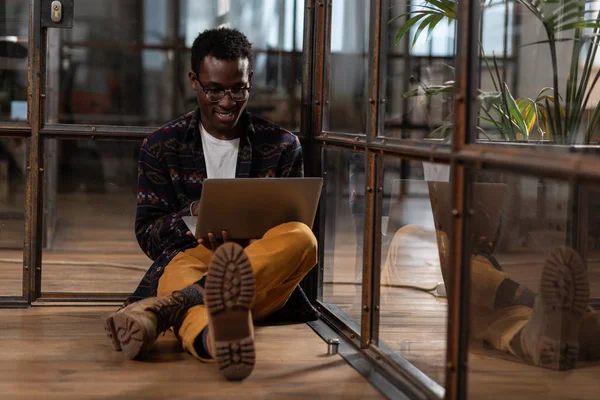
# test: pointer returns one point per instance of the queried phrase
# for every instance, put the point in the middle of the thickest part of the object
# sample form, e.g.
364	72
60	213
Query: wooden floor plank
62	353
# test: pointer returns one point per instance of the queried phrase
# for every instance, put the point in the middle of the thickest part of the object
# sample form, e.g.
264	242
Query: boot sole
126	334
564	290
111	332
228	295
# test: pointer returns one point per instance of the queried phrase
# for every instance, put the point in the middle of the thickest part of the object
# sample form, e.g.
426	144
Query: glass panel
349	74
419	68
530	310
90	203
119	64
13	161
14	48
413	316
412	66
520	106
590	216
344	208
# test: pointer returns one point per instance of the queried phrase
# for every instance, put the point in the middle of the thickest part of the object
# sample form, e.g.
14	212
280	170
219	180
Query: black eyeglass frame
246	88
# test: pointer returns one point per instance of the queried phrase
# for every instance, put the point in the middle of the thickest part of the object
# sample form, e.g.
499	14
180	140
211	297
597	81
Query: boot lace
169	311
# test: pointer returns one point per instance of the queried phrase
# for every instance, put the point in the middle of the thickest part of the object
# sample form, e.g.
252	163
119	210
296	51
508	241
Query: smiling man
210	293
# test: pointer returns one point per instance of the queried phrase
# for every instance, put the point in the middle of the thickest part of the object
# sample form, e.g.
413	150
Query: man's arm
292	163
158	224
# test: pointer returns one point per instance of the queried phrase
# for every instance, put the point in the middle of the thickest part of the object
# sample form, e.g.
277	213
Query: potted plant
556	115
552	115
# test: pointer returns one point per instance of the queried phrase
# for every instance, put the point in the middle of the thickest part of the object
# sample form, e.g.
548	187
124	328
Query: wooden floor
62	353
95	250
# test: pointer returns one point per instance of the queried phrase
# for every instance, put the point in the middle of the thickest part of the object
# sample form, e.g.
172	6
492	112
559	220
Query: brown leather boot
135	328
551	338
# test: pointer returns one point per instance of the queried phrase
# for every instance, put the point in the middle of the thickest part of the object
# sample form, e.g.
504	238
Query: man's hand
484	245
190	234
212	243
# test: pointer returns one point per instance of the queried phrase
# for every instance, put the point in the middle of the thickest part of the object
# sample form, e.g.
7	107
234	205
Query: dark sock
201	344
193	294
511	293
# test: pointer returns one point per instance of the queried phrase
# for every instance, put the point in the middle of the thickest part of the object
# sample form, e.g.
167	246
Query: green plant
551	115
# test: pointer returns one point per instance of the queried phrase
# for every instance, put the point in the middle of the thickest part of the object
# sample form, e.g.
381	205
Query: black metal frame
463	155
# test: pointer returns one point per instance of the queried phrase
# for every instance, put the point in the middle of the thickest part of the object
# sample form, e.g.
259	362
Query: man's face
221	117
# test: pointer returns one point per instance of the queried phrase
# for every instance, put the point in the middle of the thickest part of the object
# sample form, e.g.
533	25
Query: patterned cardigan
171	170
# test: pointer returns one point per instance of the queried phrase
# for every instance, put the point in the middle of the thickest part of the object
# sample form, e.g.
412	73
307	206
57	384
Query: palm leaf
514	112
436	20
422	27
407	25
530	116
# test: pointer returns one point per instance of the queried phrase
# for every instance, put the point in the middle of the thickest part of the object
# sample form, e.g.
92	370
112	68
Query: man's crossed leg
211	299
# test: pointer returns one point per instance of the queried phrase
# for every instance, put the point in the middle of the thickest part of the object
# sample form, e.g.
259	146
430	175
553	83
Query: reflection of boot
589	336
550	338
491	287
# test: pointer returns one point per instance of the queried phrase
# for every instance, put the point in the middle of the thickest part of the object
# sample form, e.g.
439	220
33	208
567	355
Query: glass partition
419	64
533	285
346	109
13	162
127	63
413	305
90	190
14	49
343	205
549	99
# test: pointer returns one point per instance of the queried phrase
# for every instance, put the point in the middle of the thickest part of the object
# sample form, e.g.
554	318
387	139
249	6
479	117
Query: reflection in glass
344	207
413	306
90	196
419	67
348	77
552	97
13	161
127	64
14	36
532	289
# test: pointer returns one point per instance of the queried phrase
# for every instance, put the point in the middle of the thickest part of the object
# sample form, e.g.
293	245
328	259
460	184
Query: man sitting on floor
211	294
554	329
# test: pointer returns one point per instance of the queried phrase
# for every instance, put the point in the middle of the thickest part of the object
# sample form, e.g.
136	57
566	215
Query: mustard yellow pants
279	260
495	326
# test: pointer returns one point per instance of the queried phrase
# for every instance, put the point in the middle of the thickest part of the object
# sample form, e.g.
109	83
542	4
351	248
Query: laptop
409	205
429	204
489	202
248	207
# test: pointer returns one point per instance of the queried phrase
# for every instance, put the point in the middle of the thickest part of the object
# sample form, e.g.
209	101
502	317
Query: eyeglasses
216	95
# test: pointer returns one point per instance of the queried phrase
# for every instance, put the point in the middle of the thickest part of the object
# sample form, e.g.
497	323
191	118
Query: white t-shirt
220	155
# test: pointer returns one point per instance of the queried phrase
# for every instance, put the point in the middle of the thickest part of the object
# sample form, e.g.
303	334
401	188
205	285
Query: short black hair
223	44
